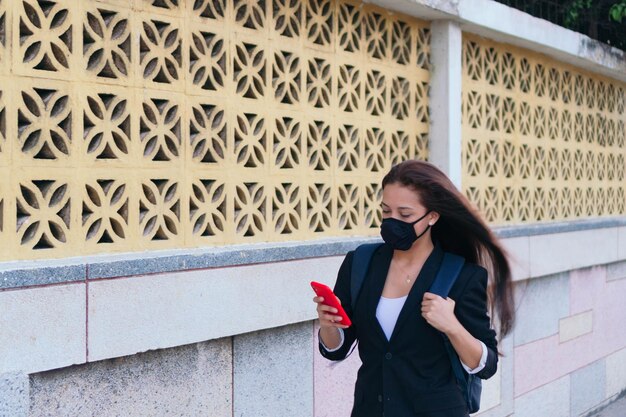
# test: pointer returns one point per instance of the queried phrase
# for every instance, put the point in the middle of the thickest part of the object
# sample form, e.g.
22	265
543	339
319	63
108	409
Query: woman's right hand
328	315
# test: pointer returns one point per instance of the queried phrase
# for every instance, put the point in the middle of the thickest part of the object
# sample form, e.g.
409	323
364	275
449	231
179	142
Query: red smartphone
330	299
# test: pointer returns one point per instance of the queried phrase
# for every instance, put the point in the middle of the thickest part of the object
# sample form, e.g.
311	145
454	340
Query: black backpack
470	385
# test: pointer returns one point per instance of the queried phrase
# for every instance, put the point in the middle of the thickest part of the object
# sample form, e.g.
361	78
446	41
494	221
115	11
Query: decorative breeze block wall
542	140
134	125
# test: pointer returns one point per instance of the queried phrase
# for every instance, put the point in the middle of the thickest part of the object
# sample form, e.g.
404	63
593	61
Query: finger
335	324
332	324
327	308
430	296
325	314
332	318
327	318
318	300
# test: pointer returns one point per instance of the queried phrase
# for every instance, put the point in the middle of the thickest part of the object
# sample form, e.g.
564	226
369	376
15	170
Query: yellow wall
134	125
542	140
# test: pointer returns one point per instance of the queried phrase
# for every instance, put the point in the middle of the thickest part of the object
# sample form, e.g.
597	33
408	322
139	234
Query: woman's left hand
439	312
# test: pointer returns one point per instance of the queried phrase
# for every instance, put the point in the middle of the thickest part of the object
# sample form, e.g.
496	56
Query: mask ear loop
422	234
422	218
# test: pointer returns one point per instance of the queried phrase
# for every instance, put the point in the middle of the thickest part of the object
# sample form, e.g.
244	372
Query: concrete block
491	395
14	389
273	372
615	373
574	326
158	311
497	398
546	360
621	247
445	100
542	302
552	400
190	380
334	383
586	289
587	387
519	256
555	253
616	271
45	327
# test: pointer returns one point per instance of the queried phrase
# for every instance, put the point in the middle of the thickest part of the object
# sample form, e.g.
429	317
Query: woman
405	369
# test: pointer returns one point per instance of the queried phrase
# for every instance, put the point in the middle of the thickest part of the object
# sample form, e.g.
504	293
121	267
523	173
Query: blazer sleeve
471	311
342	290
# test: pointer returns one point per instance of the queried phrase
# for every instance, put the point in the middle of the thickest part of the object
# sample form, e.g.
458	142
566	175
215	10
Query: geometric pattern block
106	123
44	124
106	44
542	141
152	124
105	212
46	38
43	214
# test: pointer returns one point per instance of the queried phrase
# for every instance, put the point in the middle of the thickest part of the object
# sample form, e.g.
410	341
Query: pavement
615	409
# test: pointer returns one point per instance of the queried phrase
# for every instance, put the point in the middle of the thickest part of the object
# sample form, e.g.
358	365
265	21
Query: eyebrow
400	208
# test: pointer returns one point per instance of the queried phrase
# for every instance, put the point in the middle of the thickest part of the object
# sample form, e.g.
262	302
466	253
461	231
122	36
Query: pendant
408	280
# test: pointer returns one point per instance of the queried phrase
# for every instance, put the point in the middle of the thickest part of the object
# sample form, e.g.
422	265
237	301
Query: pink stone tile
334	384
612	315
545	360
585	284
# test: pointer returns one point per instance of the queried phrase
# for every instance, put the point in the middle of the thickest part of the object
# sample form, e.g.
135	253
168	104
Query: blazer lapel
424	280
377	274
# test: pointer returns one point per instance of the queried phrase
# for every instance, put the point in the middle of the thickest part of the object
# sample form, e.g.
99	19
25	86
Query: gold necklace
408	276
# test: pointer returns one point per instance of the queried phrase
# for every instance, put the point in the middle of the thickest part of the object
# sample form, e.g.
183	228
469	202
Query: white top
387	313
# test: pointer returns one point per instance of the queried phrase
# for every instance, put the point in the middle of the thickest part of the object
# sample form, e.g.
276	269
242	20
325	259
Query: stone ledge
17	274
558	227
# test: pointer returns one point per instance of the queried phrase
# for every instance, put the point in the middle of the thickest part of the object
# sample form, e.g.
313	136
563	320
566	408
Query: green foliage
574	12
618	11
603	20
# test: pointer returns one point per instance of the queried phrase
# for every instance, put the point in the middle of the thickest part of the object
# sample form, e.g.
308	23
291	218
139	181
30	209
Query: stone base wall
566	357
265	373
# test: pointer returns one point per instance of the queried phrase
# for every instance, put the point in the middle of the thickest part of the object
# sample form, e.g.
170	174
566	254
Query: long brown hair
461	230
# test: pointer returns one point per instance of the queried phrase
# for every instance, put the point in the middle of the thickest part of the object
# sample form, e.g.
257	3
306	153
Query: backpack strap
360	265
448	273
470	385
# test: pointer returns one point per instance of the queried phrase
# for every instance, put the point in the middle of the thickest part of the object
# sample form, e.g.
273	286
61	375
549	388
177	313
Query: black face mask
400	235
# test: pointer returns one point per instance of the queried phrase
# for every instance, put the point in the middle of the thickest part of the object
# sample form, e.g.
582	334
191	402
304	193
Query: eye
405	216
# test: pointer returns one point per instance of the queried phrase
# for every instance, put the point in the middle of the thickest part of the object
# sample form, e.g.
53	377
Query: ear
433	217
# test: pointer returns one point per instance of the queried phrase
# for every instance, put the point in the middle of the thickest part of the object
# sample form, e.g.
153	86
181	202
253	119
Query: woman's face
403	203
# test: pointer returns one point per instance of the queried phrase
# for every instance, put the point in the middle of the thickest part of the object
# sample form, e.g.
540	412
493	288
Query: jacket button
388	355
380	398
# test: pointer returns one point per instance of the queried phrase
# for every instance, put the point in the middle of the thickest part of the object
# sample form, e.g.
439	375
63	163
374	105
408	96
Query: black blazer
410	375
